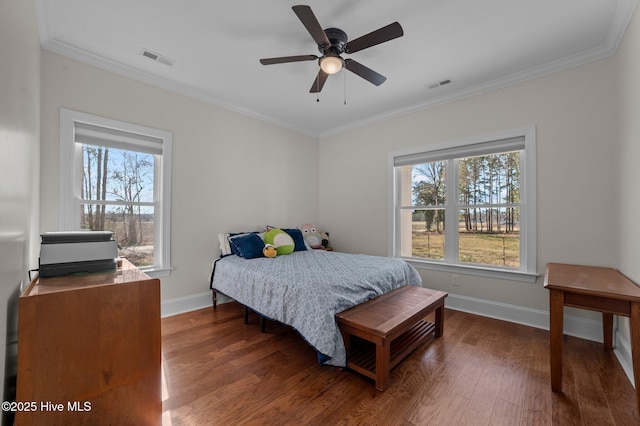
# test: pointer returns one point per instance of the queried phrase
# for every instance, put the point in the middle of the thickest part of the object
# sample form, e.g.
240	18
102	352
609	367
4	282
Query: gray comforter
306	289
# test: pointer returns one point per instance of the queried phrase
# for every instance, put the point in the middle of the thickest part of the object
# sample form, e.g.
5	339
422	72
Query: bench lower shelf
362	357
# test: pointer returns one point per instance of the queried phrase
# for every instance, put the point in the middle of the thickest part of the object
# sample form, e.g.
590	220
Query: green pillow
283	241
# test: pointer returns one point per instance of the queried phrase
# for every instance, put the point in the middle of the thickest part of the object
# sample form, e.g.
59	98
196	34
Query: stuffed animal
281	240
314	238
269	250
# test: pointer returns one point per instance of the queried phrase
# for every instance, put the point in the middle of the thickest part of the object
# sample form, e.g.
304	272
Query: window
116	176
468	206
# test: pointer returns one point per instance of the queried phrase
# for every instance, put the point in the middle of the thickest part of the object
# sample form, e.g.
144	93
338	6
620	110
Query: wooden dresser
89	350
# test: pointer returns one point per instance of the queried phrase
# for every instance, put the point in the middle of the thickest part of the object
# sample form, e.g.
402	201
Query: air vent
157	57
439	83
150	55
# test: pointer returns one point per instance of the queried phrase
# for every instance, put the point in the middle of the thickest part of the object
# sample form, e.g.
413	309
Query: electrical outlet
455	280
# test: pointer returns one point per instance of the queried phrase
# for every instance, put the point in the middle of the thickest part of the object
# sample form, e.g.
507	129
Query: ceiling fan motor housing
338	39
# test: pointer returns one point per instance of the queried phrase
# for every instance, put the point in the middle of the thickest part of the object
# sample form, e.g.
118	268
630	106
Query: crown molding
97	61
620	21
622	17
568	62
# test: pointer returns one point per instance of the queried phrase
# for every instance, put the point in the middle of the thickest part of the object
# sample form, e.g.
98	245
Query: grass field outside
498	249
140	254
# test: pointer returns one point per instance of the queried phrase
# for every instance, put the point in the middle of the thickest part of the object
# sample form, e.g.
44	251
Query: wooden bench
394	323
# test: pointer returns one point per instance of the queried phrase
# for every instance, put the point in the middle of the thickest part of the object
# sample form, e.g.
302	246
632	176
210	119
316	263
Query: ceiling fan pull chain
345	88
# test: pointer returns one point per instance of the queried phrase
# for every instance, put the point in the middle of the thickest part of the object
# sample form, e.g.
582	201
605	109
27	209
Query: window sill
157	272
487	272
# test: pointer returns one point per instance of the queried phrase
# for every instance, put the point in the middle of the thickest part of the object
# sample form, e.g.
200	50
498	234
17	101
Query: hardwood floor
219	371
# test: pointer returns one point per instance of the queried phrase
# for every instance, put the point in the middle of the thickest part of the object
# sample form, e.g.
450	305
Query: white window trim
528	270
70	155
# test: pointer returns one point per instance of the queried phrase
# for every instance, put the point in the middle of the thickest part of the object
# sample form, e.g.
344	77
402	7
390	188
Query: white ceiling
216	45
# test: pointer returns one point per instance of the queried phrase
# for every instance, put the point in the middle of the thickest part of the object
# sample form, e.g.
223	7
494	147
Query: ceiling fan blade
367	73
378	36
308	19
285	59
316	87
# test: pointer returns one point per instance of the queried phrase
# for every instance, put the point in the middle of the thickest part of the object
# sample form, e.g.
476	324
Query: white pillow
225	246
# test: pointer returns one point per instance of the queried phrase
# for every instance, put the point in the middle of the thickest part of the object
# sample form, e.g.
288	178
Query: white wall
230	172
572	112
627	114
19	161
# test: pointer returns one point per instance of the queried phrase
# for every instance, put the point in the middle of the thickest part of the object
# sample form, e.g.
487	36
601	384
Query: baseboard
185	304
623	353
583	328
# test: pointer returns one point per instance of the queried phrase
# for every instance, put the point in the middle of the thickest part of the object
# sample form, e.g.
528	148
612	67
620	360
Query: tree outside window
117	195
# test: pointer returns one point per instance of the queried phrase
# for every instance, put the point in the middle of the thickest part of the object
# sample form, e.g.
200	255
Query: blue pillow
248	246
298	239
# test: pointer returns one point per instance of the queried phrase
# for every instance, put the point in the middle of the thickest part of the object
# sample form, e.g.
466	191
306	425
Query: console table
598	289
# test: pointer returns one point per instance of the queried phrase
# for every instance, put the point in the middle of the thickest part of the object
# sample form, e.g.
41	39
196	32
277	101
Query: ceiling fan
332	42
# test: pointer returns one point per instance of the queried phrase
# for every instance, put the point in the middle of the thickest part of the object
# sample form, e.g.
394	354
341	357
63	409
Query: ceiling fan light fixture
331	64
333	42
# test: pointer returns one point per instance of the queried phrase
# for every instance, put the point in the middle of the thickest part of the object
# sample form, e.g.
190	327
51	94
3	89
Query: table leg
607	331
556	313
634	321
439	320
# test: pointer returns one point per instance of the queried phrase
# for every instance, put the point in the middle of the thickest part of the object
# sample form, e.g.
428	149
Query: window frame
527	272
71	178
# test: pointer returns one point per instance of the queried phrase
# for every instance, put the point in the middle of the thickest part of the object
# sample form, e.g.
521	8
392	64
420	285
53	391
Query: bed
305	289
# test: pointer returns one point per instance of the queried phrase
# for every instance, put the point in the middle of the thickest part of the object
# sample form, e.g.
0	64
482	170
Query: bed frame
263	320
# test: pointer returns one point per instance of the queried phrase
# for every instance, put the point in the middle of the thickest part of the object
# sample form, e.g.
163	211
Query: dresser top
126	274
